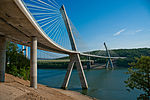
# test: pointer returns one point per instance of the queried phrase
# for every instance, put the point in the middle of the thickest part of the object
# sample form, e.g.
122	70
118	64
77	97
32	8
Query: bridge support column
81	72
111	63
26	52
3	42
33	63
23	49
109	59
89	63
107	64
75	58
69	71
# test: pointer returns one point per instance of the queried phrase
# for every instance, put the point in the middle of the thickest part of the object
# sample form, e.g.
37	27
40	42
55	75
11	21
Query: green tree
140	76
16	63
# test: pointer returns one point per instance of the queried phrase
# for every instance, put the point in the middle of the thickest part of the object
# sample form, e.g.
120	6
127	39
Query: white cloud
138	31
119	32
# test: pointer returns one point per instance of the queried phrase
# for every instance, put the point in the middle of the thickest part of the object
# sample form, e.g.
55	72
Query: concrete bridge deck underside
18	25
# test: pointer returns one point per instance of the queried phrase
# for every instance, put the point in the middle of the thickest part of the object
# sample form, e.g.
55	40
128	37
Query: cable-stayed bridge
43	25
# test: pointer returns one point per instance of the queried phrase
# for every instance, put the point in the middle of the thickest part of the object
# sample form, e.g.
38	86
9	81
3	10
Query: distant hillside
123	52
129	53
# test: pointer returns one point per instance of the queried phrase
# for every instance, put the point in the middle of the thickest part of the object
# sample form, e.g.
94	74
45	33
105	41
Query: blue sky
119	23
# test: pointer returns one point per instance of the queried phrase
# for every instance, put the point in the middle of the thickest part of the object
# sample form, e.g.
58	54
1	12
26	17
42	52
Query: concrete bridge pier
81	72
107	64
68	73
33	62
23	49
89	63
109	59
3	42
26	52
75	59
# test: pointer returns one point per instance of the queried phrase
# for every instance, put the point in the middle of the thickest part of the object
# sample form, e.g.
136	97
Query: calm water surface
103	84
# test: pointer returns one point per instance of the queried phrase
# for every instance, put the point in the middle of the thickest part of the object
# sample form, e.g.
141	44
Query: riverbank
15	88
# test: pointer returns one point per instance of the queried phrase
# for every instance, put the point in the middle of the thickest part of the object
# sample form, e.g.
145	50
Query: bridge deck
18	25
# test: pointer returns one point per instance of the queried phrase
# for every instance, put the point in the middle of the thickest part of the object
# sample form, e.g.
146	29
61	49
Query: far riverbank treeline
130	55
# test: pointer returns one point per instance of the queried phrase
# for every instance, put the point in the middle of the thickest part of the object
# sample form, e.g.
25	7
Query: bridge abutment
33	63
3	42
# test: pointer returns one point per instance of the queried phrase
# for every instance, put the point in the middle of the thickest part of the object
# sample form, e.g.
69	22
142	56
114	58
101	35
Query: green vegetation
16	63
140	77
52	65
56	64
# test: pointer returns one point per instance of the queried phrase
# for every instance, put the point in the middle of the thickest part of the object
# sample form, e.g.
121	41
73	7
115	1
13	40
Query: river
103	84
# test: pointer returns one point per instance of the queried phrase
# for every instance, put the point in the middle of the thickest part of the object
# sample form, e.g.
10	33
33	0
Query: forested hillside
131	54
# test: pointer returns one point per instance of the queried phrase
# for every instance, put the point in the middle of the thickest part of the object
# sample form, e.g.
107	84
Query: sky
119	23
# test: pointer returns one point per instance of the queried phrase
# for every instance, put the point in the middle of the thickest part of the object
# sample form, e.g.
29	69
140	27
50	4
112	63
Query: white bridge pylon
109	59
74	58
